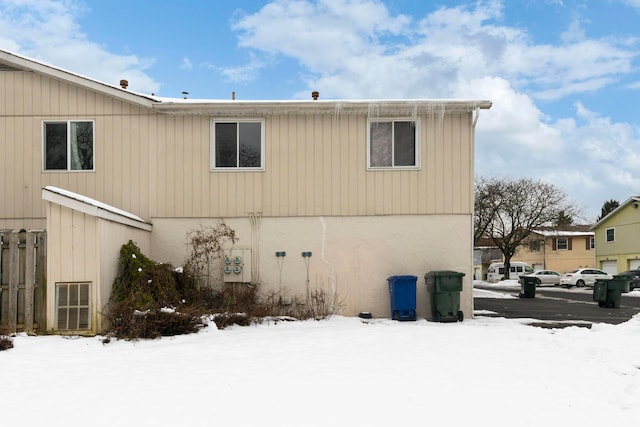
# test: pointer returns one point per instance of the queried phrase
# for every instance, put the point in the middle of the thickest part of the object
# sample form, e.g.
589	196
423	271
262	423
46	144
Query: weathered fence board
22	273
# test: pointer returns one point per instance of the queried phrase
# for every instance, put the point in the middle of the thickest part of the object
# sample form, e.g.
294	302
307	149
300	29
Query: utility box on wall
236	266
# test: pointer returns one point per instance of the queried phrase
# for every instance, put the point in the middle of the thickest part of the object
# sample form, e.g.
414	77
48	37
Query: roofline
230	108
613	212
78	203
27	64
373	107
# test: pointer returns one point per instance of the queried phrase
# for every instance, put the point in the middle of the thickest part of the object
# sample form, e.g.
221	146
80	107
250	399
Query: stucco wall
353	256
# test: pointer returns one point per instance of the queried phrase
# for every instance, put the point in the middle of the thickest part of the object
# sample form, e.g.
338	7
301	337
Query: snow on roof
561	233
168	104
94	203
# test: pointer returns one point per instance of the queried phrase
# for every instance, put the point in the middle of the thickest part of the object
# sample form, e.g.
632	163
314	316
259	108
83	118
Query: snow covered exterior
618	238
370	189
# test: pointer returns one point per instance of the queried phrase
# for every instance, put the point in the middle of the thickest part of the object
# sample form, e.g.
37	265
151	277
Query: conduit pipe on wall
255	219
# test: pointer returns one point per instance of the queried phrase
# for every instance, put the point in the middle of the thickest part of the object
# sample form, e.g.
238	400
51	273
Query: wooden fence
22	280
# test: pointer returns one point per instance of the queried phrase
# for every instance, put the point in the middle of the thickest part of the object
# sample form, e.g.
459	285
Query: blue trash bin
402	292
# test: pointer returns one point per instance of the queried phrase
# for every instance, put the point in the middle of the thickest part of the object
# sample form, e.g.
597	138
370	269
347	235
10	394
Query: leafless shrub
5	341
205	246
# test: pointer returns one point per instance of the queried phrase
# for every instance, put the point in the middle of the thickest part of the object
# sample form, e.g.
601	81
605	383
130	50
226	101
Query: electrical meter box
236	266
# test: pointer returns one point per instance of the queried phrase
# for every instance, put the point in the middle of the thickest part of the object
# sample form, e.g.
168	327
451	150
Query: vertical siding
159	166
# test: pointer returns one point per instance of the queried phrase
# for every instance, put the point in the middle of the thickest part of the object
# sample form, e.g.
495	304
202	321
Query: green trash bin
528	286
608	292
444	288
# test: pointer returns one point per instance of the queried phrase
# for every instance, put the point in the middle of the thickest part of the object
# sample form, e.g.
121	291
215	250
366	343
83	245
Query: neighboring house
368	189
562	248
618	238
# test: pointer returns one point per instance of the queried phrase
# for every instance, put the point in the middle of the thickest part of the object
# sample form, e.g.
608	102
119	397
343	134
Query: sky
485	371
563	75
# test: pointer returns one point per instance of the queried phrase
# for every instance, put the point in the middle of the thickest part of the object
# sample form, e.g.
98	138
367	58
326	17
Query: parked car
635	278
544	277
583	277
496	272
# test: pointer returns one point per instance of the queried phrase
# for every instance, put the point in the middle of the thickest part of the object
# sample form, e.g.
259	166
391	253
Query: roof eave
375	107
26	64
616	210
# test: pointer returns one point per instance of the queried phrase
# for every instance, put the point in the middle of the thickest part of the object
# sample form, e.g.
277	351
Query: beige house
618	238
560	249
368	189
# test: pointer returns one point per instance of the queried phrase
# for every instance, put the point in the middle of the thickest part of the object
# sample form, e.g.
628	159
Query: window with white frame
562	244
237	144
393	144
72	306
68	146
611	234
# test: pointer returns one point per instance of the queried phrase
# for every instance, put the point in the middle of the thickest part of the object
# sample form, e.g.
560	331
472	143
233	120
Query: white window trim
566	240
418	144
606	239
68	169
212	141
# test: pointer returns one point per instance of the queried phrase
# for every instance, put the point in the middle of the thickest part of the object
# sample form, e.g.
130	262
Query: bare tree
507	211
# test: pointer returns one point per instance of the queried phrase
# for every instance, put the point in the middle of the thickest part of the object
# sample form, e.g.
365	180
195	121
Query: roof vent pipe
124	84
233	96
315	94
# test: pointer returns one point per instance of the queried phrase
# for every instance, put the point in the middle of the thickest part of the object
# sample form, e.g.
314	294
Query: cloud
186	64
358	48
361	50
48	30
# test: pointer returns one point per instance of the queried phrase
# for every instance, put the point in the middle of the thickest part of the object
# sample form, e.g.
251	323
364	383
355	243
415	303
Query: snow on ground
338	372
483	289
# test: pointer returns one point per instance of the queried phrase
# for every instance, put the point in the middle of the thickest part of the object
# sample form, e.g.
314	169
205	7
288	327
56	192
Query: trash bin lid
442	273
393	278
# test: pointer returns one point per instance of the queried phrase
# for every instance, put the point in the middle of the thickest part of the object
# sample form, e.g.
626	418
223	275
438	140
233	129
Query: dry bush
205	247
5	341
126	323
319	304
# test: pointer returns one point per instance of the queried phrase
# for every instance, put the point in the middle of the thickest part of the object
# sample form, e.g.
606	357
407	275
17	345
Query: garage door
610	267
634	263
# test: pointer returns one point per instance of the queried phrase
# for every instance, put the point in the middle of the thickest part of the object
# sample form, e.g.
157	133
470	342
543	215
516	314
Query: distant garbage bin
528	287
444	288
402	293
608	292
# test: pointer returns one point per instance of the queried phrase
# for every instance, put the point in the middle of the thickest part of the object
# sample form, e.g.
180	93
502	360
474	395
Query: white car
544	277
583	277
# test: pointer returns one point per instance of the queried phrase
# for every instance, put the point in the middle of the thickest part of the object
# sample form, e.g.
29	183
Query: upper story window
68	146
562	244
237	144
393	144
611	234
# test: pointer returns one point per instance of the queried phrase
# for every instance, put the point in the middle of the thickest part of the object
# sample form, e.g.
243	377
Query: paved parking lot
554	305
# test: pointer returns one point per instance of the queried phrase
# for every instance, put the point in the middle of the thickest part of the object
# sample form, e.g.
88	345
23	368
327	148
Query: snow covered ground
339	372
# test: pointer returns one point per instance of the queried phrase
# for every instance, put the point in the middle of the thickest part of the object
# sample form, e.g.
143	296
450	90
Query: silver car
583	277
544	277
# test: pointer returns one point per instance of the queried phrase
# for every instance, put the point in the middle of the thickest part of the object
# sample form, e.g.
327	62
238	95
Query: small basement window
72	306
